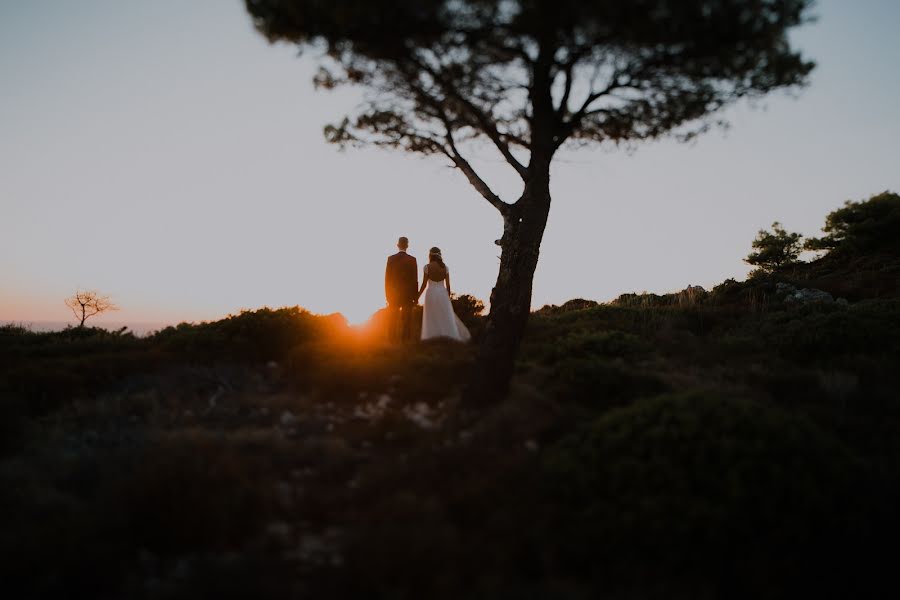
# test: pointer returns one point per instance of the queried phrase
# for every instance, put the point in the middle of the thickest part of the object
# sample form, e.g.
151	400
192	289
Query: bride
438	318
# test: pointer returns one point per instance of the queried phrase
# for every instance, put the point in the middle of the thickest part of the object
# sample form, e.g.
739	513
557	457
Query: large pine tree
529	76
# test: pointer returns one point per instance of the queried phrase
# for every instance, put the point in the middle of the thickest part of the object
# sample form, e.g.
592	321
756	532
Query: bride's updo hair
434	255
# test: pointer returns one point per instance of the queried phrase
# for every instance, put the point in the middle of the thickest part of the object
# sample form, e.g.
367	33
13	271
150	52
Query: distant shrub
775	250
758	292
726	291
260	335
828	331
590	343
570	305
602	383
467	307
546	327
643	300
868	226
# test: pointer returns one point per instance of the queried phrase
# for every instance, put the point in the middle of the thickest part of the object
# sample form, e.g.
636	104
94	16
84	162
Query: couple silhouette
402	291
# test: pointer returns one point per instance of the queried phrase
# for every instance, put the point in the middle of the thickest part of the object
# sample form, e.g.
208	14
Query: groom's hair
403	243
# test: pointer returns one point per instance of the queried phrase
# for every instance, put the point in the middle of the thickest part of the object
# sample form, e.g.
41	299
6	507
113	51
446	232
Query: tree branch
567	68
564	101
481	121
567	127
477	182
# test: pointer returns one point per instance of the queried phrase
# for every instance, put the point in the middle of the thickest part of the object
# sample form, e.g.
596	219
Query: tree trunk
523	231
511	296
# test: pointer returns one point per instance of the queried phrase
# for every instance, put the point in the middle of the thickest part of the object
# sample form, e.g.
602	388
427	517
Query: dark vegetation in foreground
694	445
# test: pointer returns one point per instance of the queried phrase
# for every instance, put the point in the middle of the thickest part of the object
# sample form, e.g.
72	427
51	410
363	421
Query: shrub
586	343
828	332
602	383
642	300
775	250
869	226
255	336
708	488
467	307
570	305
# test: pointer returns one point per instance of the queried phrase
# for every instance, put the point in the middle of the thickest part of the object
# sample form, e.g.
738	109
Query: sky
165	154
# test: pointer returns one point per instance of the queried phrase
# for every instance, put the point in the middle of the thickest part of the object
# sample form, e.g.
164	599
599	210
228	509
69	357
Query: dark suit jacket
401	279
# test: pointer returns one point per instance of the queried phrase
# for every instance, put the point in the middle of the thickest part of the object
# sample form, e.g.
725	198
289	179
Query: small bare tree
87	304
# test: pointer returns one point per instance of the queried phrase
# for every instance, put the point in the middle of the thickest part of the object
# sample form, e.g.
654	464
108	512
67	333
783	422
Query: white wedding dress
438	318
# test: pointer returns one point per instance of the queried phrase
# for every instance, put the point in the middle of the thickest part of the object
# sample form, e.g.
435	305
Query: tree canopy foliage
440	73
866	226
776	249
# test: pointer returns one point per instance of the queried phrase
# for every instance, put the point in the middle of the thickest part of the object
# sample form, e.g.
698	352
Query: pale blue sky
165	154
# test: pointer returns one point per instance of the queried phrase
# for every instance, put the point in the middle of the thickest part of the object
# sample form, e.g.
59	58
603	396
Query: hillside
697	445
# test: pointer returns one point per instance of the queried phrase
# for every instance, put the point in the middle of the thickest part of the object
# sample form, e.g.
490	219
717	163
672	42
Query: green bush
588	343
255	336
710	489
602	383
467	307
775	250
870	226
828	332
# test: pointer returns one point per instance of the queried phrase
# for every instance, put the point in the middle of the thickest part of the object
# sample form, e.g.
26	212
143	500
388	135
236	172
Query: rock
784	288
372	410
421	415
311	549
690	295
842	302
807	295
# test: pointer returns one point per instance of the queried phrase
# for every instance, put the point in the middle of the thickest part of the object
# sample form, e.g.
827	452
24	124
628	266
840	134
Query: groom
401	287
